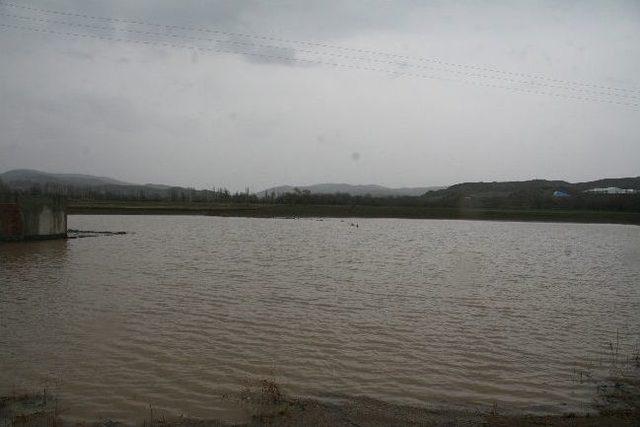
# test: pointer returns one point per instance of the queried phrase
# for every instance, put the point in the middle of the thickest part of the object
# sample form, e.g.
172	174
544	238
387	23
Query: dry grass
619	394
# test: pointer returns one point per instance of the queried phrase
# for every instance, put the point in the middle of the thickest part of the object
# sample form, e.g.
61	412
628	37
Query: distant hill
28	177
354	190
77	185
507	188
535	194
24	179
532	193
630	183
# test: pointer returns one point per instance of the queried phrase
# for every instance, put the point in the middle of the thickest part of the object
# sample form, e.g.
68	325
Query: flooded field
181	311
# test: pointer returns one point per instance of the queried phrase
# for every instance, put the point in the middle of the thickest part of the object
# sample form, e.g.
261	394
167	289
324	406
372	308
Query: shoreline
351	211
267	405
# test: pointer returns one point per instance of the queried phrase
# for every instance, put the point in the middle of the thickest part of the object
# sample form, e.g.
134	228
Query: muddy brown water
182	310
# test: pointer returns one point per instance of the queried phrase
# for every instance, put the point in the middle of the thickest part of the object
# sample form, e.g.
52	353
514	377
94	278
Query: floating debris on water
80	234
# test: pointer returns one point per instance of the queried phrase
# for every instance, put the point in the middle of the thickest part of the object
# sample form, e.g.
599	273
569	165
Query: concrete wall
32	217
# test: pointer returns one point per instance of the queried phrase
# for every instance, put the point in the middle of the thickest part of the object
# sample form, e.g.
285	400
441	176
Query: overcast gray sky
475	91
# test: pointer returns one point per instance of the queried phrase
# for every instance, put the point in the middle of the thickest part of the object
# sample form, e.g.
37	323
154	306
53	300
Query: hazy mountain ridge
17	176
25	179
77	185
354	190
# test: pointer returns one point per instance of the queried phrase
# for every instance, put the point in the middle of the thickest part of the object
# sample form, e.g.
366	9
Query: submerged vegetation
616	403
264	402
29	410
620	392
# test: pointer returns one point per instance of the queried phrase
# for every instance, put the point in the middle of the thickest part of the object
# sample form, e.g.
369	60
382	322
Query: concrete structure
32	217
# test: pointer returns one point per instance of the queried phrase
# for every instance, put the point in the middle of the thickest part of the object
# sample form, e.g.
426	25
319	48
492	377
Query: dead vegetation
619	394
617	403
29	410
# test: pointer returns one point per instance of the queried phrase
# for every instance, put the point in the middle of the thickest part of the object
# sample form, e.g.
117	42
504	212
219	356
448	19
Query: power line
315	62
317	44
312	52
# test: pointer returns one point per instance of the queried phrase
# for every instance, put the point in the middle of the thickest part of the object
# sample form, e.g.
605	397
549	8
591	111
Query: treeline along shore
615	200
347	211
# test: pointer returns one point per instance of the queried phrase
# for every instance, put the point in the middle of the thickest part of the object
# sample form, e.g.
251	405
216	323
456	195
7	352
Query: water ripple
453	313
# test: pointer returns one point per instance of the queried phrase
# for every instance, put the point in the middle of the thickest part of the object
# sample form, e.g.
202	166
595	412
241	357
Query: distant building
561	194
32	217
611	190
